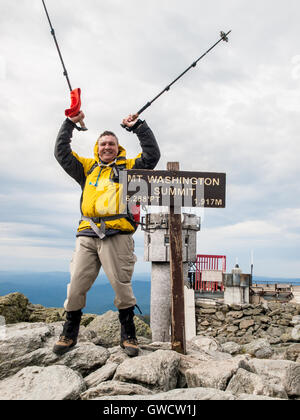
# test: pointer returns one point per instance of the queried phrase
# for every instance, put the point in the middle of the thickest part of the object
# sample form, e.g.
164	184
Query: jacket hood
121	153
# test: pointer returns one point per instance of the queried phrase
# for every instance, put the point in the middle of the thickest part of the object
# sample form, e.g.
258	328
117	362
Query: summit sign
175	189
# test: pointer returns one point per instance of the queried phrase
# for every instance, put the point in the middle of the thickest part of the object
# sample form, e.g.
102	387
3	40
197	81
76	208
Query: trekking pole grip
134	116
82	125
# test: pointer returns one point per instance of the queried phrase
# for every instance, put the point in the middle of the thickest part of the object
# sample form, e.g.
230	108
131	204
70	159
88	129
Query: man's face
108	148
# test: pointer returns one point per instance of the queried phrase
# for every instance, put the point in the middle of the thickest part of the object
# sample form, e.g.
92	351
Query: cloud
236	112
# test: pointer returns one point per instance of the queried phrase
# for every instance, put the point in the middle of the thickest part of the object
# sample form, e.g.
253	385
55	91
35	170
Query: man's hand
79	117
130	120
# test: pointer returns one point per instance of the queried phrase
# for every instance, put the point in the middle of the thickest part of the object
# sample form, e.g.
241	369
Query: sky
237	112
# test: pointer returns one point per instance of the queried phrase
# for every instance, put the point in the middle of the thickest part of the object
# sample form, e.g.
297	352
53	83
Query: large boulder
214	373
296	333
30	344
103	374
259	348
203	344
43	383
114	387
287	372
293	353
244	382
21	339
156	371
107	328
231	347
190	394
39	313
13	308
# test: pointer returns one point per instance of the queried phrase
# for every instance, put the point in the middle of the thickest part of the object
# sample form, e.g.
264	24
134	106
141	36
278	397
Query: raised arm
150	155
69	160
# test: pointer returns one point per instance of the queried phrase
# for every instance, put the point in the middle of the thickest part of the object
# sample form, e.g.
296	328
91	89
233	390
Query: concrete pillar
160	310
189	313
156	250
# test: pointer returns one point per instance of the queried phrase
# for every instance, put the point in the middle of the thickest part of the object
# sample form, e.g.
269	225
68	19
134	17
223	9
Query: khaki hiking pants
116	255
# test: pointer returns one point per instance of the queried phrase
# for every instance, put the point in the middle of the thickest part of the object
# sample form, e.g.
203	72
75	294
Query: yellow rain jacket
101	189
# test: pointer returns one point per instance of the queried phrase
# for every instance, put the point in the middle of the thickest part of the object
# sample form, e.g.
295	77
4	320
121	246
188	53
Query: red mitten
75	103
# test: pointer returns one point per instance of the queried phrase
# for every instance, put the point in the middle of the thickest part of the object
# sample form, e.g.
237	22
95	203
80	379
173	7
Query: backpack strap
92	168
121	166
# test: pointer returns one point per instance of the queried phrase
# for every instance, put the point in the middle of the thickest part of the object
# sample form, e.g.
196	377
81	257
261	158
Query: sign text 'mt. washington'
178	189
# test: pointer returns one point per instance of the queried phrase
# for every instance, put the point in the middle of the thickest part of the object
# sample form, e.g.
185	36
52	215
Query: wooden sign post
174	189
176	271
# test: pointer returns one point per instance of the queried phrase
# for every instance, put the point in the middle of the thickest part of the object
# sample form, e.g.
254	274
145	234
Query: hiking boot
130	347
68	338
63	345
128	338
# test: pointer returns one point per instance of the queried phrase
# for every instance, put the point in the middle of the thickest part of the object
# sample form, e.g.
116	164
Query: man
104	235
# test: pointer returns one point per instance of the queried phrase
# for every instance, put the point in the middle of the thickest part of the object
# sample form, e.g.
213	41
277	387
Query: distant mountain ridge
262	279
49	289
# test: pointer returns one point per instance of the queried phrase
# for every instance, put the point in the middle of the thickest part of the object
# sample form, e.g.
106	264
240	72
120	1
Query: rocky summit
98	369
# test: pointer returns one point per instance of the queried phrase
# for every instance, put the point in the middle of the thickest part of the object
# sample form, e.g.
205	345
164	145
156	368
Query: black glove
134	127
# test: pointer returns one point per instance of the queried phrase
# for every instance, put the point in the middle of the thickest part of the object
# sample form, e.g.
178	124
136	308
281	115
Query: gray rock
13	307
118	356
214	374
43	383
231	347
246	323
220	316
275	331
208	311
286	371
157	345
244	382
207	364
235	307
295	320
234	314
191	394
251	397
293	352
296	333
188	361
31	345
39	357
103	374
203	344
158	370
107	327
274	306
40	314
114	387
23	338
259	348
286	337
84	358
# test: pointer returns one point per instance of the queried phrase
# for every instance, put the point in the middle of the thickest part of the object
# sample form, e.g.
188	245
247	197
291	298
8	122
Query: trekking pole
224	37
65	73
